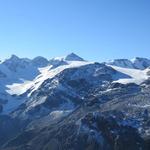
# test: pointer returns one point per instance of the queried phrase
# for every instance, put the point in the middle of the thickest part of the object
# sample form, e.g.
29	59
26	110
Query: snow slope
137	76
18	75
46	73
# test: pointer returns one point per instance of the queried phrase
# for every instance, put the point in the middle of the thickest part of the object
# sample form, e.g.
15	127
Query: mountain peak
125	63
139	59
135	63
73	57
40	61
14	57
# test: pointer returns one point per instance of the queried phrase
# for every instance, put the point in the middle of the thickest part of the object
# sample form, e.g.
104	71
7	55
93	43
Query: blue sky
97	30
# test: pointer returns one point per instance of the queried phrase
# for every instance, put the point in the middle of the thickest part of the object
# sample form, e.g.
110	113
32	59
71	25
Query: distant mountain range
68	103
136	63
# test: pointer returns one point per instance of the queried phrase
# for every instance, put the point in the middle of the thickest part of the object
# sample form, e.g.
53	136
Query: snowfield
46	73
137	76
20	75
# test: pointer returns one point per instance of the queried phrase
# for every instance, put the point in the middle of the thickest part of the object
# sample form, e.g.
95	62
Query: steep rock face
93	132
68	88
114	126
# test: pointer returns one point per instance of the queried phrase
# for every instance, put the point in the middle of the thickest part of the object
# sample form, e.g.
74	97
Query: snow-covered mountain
98	103
136	63
73	57
40	61
20	76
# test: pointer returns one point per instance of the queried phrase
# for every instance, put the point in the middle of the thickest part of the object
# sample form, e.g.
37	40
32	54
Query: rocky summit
67	103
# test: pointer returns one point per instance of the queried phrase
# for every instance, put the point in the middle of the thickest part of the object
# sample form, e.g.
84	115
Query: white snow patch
59	113
46	73
142	106
137	76
35	103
